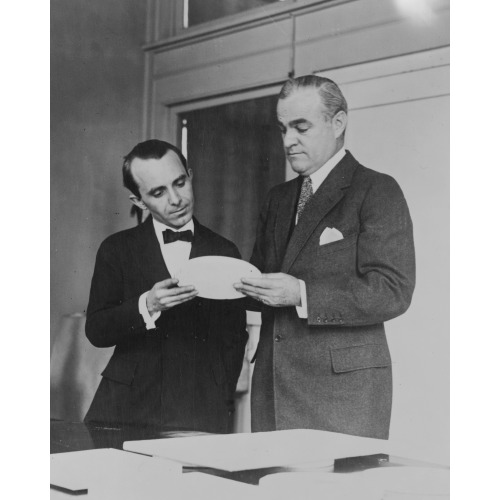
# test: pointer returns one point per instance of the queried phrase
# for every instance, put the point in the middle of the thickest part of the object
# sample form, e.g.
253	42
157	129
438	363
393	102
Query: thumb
168	283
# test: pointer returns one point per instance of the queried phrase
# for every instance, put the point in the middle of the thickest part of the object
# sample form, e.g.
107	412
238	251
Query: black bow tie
170	236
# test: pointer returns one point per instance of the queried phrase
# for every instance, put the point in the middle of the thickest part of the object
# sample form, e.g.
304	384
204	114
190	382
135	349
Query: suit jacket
332	371
182	374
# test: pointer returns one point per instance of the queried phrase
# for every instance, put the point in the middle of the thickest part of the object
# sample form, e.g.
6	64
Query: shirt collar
160	227
321	174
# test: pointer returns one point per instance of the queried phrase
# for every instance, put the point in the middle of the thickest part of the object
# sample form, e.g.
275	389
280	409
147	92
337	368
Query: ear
137	202
190	173
339	123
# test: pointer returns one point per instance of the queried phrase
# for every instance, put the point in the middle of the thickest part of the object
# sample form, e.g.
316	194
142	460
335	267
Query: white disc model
214	276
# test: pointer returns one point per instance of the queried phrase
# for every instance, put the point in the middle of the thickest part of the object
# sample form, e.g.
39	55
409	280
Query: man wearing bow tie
336	247
177	357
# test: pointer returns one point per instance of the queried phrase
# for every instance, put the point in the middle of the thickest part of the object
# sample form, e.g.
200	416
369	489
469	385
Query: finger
177	301
177	298
253	294
249	289
168	283
172	292
259	282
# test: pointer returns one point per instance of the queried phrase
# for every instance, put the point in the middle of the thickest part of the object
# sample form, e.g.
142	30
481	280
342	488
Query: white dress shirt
317	179
175	256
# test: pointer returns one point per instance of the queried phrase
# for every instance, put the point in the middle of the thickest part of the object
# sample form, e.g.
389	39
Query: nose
289	138
173	198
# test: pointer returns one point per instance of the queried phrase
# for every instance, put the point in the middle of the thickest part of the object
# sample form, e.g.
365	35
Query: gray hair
331	96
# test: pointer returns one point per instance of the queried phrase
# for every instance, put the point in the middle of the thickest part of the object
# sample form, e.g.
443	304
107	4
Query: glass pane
201	11
236	154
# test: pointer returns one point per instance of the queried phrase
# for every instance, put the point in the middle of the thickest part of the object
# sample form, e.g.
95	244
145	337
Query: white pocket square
329	235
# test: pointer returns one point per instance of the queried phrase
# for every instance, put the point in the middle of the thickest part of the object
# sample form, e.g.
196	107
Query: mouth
180	211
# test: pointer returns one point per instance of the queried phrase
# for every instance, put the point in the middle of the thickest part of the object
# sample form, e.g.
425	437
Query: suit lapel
149	253
324	200
201	245
285	218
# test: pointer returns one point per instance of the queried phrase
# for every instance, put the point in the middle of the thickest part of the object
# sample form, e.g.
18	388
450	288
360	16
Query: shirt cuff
302	309
143	309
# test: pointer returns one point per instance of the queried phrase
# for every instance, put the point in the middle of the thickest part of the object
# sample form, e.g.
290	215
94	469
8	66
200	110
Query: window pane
201	11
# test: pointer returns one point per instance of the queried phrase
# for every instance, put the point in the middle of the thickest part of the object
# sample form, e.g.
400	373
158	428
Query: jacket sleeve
110	317
381	286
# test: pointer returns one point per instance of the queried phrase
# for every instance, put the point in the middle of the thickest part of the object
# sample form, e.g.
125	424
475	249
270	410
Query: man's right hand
166	294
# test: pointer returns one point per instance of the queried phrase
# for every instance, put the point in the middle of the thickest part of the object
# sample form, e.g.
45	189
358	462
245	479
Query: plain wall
97	73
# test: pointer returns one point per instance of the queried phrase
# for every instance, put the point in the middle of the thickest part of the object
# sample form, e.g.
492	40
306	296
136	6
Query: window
202	11
236	154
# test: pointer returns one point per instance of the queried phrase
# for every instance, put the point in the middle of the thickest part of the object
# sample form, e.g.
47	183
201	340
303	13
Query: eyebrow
293	123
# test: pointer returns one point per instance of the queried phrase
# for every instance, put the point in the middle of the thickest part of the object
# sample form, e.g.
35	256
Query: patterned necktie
170	236
306	191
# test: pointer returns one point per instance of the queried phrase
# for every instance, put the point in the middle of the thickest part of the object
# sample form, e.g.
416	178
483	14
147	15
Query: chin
299	168
184	220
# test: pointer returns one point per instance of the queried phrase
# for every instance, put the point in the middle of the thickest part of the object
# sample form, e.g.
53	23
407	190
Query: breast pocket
336	246
359	357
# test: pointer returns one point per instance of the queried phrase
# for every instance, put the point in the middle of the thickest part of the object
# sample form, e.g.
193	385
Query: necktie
170	236
306	191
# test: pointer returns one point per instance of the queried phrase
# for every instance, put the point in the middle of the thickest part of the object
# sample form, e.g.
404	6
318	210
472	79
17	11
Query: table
75	436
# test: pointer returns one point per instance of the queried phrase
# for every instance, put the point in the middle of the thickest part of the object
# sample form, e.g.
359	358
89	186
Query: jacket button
278	338
318	319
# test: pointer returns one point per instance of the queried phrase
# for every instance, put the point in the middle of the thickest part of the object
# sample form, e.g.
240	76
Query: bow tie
170	236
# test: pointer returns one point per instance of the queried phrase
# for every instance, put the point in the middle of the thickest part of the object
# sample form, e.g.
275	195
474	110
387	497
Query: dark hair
329	92
147	150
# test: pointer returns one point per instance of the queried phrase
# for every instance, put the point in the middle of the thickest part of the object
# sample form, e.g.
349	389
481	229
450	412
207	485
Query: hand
273	289
166	294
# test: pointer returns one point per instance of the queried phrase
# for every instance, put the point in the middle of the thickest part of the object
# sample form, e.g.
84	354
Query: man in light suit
336	247
177	357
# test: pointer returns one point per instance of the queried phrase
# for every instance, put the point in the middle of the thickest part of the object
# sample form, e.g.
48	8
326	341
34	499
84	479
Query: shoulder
377	191
372	180
218	242
120	239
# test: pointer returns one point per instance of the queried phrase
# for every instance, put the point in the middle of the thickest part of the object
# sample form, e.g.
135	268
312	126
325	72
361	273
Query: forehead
300	104
157	172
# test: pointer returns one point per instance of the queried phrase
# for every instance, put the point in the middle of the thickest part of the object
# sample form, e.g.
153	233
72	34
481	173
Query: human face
165	188
310	138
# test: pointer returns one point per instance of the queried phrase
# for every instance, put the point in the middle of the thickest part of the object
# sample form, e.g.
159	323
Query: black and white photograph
250	249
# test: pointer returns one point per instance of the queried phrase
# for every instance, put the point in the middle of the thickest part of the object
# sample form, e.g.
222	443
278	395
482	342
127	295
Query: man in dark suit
177	357
336	247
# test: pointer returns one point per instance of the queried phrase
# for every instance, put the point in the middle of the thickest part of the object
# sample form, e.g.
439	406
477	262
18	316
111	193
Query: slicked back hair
331	96
152	149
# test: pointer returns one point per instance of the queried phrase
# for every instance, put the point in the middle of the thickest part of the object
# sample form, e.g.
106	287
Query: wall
97	72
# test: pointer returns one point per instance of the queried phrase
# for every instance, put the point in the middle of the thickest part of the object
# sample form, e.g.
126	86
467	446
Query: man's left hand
273	289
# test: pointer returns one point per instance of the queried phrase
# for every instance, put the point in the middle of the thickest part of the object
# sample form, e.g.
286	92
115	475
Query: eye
302	129
158	193
181	183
